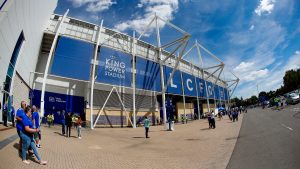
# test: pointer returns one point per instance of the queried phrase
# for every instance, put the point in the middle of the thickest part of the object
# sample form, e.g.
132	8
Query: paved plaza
190	146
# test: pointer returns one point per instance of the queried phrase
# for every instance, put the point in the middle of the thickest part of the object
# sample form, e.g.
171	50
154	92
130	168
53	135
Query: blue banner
72	58
222	94
226	94
217	92
210	90
201	88
189	85
175	86
114	67
147	75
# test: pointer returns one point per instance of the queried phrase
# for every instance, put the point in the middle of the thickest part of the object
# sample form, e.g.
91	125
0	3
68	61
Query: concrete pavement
190	146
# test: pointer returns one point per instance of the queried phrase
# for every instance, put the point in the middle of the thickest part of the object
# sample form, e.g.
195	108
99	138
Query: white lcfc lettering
189	81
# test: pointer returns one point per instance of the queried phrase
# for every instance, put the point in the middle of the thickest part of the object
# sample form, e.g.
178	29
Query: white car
293	98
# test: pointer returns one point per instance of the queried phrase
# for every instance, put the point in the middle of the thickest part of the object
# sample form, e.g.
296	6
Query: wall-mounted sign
114	67
175	86
189	85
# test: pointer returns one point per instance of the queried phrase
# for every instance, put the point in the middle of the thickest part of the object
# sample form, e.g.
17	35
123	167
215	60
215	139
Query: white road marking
287	127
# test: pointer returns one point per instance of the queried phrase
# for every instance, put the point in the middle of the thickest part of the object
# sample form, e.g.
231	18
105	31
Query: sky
258	40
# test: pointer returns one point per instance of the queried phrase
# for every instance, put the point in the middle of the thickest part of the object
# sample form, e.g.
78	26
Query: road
268	139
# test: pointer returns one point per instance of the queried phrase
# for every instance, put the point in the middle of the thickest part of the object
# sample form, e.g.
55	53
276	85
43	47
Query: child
78	124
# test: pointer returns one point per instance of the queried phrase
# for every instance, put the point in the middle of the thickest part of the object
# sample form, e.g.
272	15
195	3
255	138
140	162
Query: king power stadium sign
115	68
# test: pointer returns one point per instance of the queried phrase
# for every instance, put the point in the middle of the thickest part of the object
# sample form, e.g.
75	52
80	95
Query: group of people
211	120
67	121
28	129
233	112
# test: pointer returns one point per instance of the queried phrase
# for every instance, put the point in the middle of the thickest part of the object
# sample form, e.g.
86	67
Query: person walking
63	122
36	125
49	120
5	114
79	124
27	136
209	120
69	124
147	126
213	121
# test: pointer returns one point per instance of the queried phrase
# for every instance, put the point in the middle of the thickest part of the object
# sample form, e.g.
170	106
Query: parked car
293	98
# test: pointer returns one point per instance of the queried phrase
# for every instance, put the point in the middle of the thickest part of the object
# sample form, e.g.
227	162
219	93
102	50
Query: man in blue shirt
36	125
19	116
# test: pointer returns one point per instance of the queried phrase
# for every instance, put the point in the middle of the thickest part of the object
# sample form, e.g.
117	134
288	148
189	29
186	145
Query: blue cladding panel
222	94
55	103
147	75
217	92
72	59
201	88
226	94
210	89
114	67
175	87
189	85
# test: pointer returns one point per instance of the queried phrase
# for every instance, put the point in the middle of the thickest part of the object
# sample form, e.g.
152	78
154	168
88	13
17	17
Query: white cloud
93	6
254	75
297	52
162	8
243	66
265	6
251	27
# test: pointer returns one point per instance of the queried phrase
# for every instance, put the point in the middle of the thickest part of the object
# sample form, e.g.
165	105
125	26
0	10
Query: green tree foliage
291	81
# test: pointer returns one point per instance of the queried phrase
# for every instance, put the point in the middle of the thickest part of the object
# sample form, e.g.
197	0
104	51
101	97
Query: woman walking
27	137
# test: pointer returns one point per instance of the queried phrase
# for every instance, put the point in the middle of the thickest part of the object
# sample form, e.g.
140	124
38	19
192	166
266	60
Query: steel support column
48	62
133	78
94	74
183	96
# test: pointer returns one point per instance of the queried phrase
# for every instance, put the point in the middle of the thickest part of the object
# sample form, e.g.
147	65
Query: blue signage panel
114	67
221	91
217	92
72	59
56	103
226	94
210	90
147	75
175	86
201	88
189	85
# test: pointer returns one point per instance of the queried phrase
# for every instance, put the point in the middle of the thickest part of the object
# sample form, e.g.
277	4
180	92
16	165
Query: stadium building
59	63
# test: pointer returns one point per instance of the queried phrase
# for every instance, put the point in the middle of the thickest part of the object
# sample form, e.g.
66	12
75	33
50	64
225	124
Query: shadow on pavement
138	137
205	129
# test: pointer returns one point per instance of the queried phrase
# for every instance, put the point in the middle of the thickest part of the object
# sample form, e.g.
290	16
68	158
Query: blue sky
258	40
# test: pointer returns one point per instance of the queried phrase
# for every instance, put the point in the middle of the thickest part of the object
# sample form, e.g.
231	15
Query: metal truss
231	83
179	45
216	73
123	106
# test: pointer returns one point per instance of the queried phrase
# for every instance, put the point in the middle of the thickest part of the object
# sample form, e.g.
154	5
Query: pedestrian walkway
190	146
